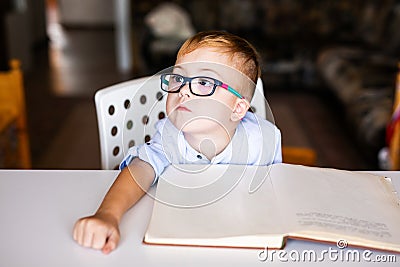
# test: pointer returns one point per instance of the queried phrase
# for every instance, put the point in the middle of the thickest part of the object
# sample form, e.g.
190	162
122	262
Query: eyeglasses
200	85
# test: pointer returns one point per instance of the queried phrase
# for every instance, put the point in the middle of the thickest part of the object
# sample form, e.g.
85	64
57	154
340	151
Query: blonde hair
242	52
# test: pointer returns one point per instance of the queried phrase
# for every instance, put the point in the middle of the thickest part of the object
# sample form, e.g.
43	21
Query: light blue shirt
256	142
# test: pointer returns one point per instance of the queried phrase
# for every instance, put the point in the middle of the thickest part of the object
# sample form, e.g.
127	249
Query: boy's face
205	114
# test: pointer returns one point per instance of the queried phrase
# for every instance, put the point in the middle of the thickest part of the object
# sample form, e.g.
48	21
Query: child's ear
240	109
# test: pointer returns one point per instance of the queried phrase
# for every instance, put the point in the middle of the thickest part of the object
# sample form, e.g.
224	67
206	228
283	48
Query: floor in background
62	120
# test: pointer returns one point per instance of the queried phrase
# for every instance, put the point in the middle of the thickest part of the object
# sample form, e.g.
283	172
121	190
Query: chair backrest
127	113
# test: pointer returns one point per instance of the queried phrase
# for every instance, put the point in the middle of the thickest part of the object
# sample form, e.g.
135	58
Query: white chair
128	111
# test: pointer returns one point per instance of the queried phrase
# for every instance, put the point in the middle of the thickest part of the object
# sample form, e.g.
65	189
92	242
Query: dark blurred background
329	67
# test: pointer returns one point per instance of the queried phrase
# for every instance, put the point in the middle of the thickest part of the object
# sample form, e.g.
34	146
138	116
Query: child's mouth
182	108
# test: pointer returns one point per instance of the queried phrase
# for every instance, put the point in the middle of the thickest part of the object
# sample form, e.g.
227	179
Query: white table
38	209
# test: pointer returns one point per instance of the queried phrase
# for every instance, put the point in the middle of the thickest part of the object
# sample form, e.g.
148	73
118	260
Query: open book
258	207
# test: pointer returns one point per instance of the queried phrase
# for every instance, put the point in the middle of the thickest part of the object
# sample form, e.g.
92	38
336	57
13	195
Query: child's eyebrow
213	73
179	68
200	70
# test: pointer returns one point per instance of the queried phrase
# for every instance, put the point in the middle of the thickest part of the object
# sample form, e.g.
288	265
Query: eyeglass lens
197	85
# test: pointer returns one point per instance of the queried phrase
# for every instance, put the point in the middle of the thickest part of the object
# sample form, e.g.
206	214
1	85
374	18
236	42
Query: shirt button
199	157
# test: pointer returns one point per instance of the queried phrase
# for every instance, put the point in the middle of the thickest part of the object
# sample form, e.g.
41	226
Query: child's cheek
172	103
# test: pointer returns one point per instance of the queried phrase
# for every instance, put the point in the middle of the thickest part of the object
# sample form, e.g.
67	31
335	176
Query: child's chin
196	127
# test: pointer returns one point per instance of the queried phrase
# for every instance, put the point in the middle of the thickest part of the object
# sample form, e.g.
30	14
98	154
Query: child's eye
177	78
205	82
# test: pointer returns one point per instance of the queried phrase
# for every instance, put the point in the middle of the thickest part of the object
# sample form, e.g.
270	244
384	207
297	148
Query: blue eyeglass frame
189	79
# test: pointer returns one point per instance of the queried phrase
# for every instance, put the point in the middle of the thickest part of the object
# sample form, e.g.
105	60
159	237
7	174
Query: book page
329	203
215	207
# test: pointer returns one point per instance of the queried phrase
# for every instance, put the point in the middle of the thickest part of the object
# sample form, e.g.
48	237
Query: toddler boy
209	92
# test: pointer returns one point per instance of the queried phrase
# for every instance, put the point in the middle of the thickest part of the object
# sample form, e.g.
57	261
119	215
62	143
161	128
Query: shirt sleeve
151	152
278	147
264	140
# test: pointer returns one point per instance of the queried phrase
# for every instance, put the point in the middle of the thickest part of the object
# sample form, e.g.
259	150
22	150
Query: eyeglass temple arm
233	91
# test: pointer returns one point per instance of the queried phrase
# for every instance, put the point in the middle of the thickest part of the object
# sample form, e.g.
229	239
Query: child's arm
101	230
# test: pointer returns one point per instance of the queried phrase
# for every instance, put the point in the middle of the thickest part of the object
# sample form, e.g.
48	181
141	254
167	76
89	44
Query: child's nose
185	90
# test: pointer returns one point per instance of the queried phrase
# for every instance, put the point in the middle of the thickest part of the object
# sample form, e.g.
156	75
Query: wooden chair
299	155
394	142
128	111
13	114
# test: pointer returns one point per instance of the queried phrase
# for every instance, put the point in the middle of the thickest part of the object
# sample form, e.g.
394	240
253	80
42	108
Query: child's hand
98	232
101	230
